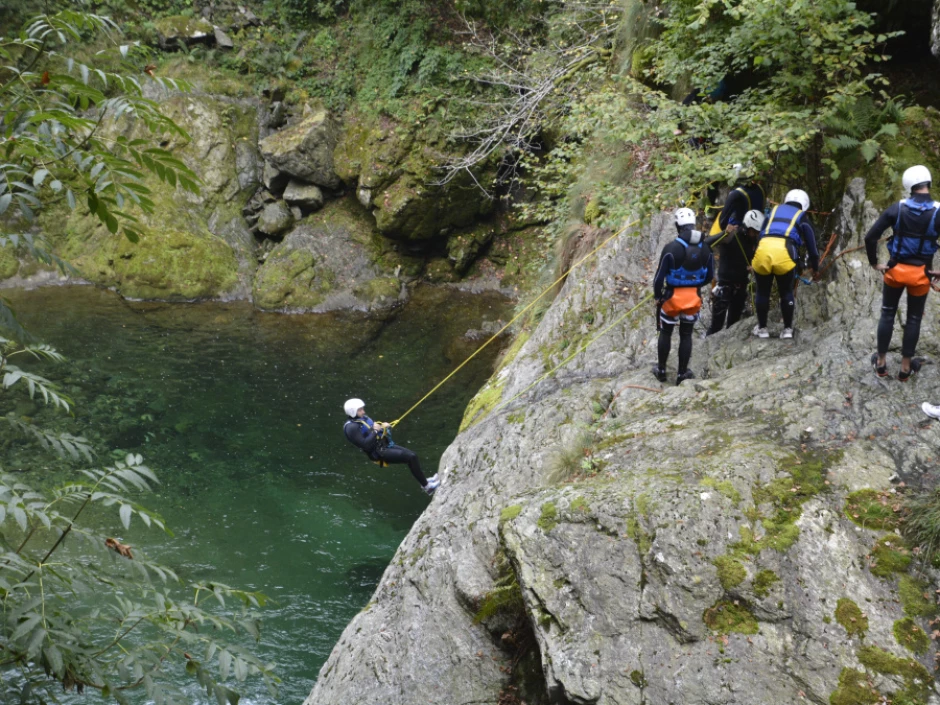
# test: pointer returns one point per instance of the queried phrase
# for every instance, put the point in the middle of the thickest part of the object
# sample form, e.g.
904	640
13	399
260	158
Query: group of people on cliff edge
768	242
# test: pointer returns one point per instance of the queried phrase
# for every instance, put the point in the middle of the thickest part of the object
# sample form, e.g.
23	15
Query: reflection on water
240	413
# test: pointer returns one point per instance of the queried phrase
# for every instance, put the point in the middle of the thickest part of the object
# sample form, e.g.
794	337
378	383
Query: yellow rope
516	318
568	359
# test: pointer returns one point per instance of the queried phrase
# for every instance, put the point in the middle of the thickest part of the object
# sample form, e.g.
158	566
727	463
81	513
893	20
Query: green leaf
125	513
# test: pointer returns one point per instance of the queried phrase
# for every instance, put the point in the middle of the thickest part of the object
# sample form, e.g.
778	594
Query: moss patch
854	689
725	617
916	678
890	555
505	598
872	510
851	617
723	487
764	581
482	404
580	504
549	517
510	512
916	598
910	636
806	477
730	572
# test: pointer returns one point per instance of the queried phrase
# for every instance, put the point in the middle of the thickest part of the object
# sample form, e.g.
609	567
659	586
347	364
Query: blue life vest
905	245
684	276
784	221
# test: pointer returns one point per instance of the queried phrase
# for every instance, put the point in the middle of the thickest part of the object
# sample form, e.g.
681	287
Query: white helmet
915	176
352	406
754	219
685	216
798	196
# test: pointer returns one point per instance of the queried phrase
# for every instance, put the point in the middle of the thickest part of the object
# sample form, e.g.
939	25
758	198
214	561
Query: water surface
240	414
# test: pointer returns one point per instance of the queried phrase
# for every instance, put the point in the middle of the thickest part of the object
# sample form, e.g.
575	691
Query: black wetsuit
911	222
378	449
735	253
672	258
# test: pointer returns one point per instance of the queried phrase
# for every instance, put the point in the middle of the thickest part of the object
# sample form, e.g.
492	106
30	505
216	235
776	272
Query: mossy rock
725	617
764	581
851	617
871	510
854	688
917	680
188	29
890	555
482	403
910	636
511	512
291	278
548	519
916	597
730	572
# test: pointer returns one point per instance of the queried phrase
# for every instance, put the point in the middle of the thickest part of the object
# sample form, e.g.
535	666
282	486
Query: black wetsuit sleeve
808	235
666	261
710	273
714	240
886	220
735	205
365	441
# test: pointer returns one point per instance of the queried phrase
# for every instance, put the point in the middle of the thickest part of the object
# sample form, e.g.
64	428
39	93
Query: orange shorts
684	301
912	277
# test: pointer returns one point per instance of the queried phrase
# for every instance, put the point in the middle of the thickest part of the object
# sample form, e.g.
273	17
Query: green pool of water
240	414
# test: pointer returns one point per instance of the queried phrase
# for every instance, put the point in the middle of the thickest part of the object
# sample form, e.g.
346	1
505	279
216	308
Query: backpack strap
792	224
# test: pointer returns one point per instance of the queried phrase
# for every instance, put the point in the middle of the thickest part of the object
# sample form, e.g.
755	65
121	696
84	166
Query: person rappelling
374	438
910	255
786	230
685	265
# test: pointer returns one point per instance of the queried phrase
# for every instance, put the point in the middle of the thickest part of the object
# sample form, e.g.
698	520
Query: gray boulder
188	30
304	150
275	218
601	539
222	40
307	196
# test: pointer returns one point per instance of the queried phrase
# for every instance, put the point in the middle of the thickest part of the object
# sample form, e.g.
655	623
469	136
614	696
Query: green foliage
55	145
81	610
505	599
730	572
910	636
921	522
726	617
573	458
851	617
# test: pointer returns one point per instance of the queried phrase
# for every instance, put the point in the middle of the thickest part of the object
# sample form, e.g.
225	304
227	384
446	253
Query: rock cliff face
600	539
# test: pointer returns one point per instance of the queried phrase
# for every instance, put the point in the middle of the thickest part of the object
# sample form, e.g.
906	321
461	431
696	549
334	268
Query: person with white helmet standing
910	254
785	231
685	265
374	438
735	250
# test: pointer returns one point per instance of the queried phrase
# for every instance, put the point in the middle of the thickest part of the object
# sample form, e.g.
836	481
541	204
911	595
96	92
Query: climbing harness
515	318
383	434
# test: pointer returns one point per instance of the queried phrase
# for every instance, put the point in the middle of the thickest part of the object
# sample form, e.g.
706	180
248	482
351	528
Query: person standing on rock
746	196
736	247
910	255
374	438
685	265
785	232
